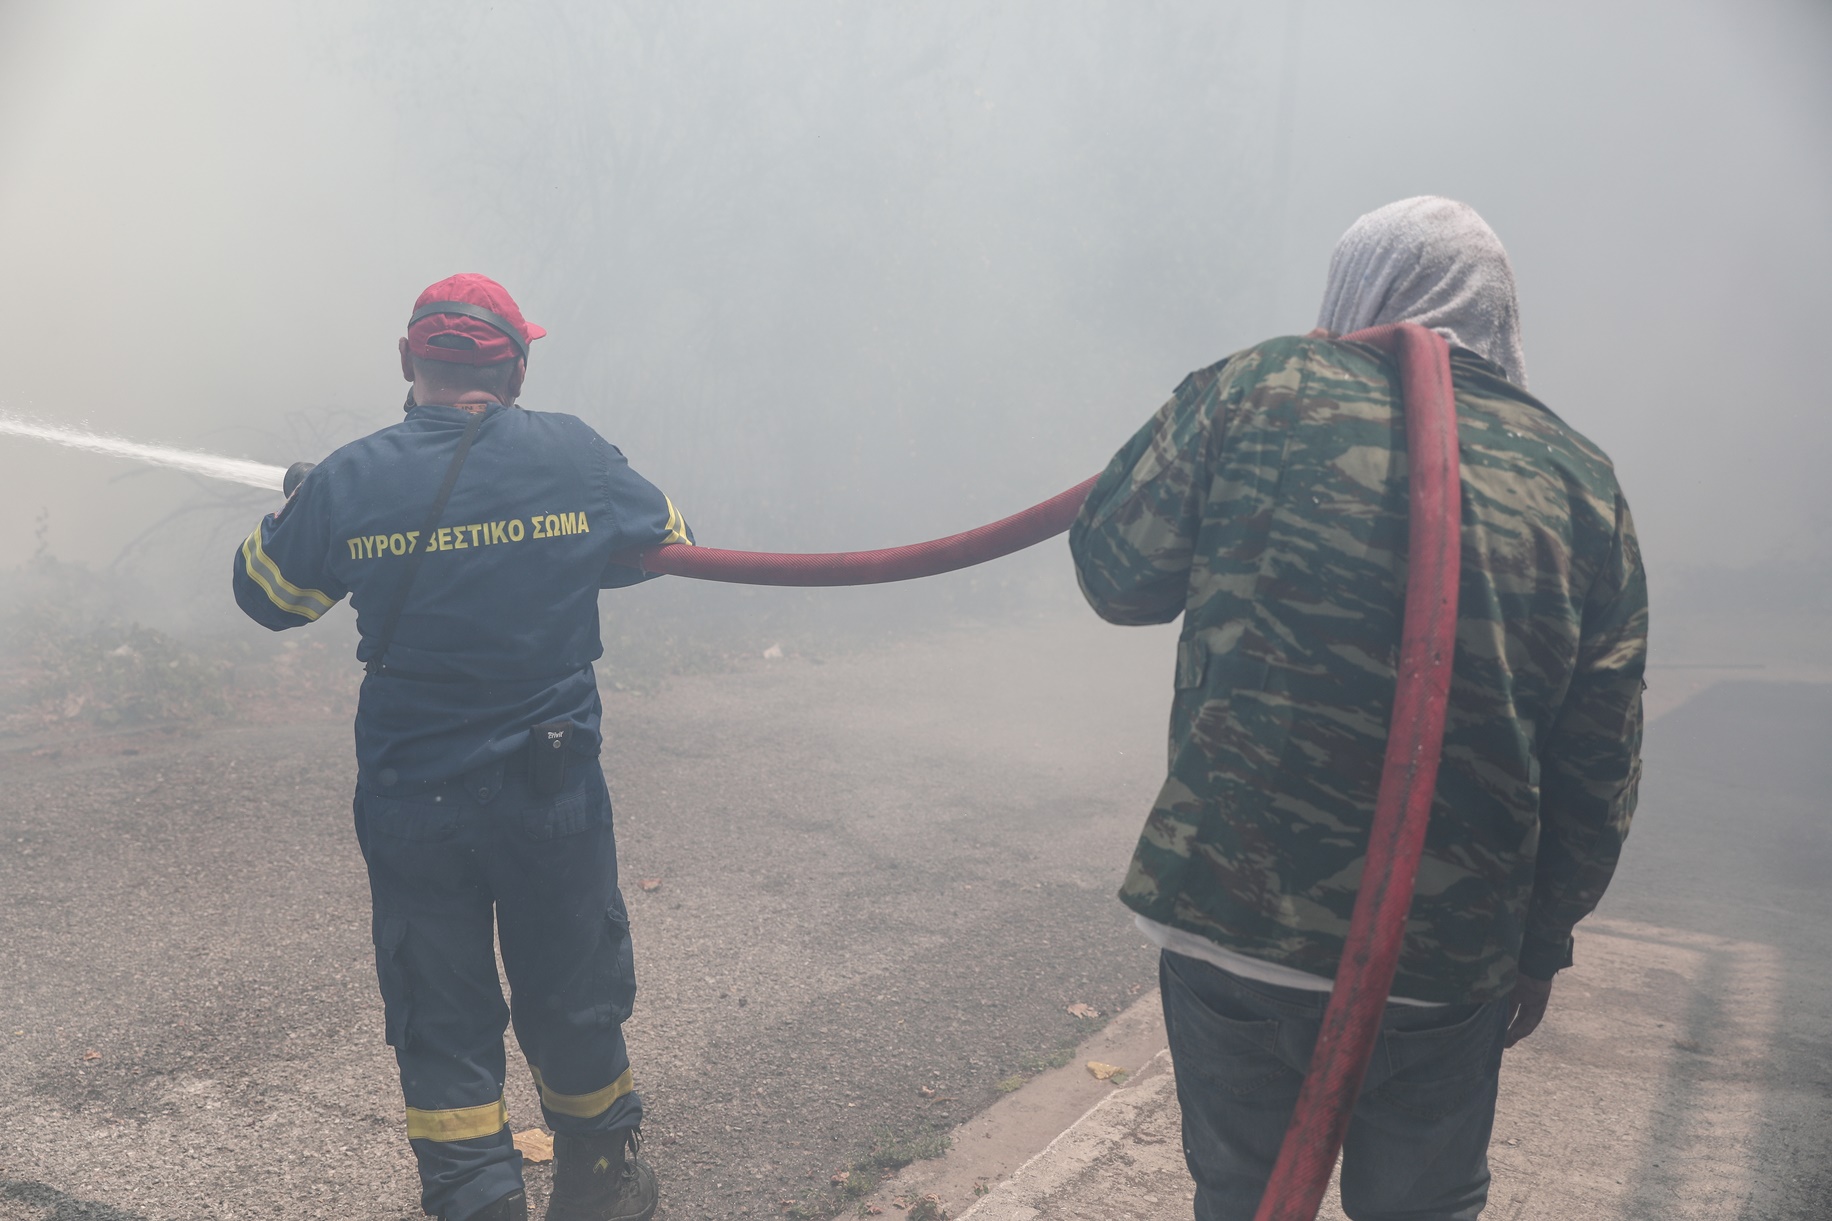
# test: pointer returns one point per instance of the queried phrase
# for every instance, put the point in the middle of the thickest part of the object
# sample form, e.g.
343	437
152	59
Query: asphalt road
881	875
886	874
1731	859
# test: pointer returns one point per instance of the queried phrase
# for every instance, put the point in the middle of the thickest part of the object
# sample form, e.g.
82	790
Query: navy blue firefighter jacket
504	608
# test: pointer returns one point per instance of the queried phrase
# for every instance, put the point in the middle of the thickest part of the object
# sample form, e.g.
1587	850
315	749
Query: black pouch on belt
547	756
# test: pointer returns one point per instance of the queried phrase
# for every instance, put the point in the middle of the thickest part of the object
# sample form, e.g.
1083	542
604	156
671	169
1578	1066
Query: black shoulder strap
393	620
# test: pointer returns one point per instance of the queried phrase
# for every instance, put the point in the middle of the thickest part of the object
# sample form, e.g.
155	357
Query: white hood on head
1432	261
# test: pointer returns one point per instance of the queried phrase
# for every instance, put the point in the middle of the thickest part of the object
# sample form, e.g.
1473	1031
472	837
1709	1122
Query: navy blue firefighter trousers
443	867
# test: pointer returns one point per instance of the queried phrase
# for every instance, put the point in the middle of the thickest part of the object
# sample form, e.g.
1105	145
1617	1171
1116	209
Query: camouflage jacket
1266	504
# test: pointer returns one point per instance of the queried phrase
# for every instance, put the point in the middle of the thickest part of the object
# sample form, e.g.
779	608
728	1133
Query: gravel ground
881	875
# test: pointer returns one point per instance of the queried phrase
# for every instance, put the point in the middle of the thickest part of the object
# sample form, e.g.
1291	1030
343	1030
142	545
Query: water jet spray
210	466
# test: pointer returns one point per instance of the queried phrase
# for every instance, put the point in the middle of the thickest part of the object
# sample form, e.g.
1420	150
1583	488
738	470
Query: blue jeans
1417	1147
482	859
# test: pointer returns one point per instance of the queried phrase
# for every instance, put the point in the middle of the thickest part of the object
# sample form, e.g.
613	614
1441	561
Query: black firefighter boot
601	1178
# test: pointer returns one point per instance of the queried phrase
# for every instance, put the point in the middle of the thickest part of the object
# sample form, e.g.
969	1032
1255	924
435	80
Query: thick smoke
840	275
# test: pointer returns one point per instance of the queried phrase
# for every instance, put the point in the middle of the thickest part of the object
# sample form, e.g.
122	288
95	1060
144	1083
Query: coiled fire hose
1351	1021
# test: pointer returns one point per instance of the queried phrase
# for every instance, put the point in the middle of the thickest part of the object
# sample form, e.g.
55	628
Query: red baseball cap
469	319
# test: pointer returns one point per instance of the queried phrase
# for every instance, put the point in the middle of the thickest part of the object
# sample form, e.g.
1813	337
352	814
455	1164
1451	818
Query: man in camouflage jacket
1266	504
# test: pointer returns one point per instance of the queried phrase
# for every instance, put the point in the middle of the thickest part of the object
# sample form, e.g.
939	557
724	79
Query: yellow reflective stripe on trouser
583	1106
459	1123
307	603
676	529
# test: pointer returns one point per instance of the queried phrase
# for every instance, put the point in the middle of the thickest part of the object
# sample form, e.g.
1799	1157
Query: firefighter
472	539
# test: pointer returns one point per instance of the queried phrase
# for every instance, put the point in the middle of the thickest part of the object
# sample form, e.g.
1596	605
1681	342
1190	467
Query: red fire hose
1409	775
938	555
1377	925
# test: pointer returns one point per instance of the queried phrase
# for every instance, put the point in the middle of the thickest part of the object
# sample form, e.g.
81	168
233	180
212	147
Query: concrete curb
1116	1159
1057	1108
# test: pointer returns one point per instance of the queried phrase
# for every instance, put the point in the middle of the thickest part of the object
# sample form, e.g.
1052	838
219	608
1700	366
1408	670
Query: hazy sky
838	274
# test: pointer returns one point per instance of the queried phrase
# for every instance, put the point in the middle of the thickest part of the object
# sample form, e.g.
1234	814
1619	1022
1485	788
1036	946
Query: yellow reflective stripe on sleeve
583	1106
676	529
307	603
459	1123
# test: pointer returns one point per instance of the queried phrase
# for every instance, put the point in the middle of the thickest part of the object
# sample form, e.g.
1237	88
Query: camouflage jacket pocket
1205	711
1192	664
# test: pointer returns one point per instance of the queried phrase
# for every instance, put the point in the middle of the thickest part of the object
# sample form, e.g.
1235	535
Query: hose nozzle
295	475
